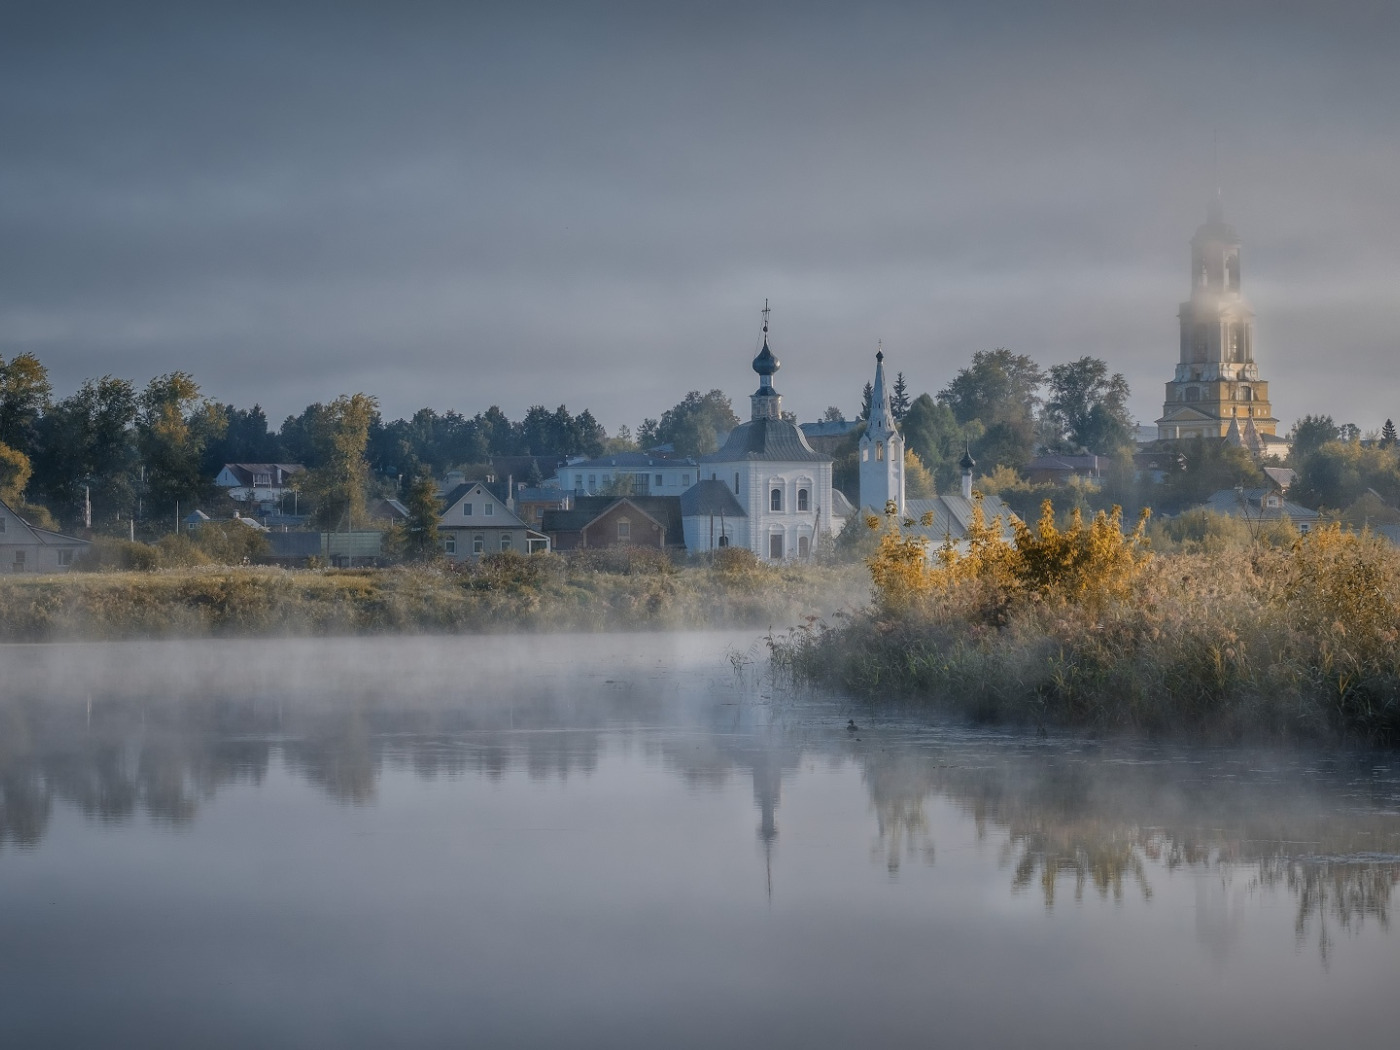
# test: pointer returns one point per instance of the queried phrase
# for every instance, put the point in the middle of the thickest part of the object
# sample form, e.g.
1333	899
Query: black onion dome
765	364
967	462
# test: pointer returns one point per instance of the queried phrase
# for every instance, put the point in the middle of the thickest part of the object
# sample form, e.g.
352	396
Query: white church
882	478
766	489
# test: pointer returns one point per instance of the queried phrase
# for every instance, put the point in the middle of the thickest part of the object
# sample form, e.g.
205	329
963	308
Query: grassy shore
628	590
1264	643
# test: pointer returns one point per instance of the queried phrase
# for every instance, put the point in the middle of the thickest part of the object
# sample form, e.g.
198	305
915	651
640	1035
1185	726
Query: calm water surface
636	841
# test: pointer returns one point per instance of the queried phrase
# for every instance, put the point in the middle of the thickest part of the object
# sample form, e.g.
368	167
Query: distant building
881	448
475	522
262	483
594	522
652	473
782	485
28	548
1216	389
1260	505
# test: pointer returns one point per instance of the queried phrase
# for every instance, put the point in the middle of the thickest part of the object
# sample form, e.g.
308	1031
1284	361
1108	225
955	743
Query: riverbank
502	593
1265	644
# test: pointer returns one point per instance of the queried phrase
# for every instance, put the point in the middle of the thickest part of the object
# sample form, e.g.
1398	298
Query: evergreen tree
420	530
1388	435
899	403
866	397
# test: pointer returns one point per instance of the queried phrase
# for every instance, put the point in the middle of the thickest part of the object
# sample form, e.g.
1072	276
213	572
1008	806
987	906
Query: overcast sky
463	204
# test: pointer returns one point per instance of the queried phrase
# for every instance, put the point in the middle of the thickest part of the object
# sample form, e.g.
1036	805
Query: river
641	841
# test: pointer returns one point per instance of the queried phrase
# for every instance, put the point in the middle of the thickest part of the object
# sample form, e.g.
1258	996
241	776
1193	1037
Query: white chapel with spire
881	449
782	486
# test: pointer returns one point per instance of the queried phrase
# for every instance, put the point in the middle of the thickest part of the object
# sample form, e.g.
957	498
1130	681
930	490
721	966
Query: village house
475	522
594	522
653	473
264	484
28	548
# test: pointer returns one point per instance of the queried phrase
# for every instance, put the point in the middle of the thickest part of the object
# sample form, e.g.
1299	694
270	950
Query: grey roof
952	516
841	507
244	471
665	510
774	440
829	428
710	497
450	499
1249	504
655	458
1280	476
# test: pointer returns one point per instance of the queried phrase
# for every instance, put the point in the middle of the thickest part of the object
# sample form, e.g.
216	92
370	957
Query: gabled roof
841	507
503	518
244	472
34	534
774	440
1250	504
710	497
952	516
664	510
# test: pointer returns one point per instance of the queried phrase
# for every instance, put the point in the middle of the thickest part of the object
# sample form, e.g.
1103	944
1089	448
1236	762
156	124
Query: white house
28	548
782	486
262	483
474	522
648	473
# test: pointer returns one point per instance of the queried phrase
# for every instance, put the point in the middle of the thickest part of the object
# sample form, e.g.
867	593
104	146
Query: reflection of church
1216	391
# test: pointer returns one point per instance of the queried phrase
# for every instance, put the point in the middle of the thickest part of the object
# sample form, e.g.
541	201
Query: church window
1234	342
803	498
736	483
1199	347
1246	393
804	546
879	450
775	545
865	455
1193	393
775	499
624	530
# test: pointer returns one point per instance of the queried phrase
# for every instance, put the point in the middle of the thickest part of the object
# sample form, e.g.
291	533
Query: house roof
43	537
710	497
1069	464
774	440
952	516
1251	504
664	510
244	472
506	518
841	507
1281	476
654	458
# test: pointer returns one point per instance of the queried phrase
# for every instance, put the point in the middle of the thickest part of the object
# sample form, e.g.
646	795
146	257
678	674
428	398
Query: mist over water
637	840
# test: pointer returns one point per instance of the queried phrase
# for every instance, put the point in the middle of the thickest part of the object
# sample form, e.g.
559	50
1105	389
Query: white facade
782	485
881	450
650	475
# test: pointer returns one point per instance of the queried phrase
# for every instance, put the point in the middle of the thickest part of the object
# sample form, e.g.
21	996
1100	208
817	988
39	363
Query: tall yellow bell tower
1217	385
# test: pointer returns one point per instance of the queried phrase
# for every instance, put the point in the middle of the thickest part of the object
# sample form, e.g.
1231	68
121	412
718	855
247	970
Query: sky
455	205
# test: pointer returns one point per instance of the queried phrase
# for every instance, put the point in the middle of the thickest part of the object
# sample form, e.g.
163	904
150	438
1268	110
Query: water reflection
1065	817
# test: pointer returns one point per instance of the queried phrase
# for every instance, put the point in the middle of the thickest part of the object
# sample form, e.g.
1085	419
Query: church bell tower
1217	387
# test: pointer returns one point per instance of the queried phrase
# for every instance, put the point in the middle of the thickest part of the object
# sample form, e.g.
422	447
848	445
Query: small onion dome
765	364
967	462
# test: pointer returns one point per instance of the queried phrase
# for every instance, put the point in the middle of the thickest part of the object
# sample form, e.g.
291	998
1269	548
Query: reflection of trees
898	787
1090	852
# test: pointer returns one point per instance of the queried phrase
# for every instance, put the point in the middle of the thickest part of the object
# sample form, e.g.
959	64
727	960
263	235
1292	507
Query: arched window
879	450
804	546
1193	393
775	546
1246	393
775	499
803	499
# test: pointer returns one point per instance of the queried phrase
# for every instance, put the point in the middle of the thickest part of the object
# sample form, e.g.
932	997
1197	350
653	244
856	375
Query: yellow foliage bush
1082	564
